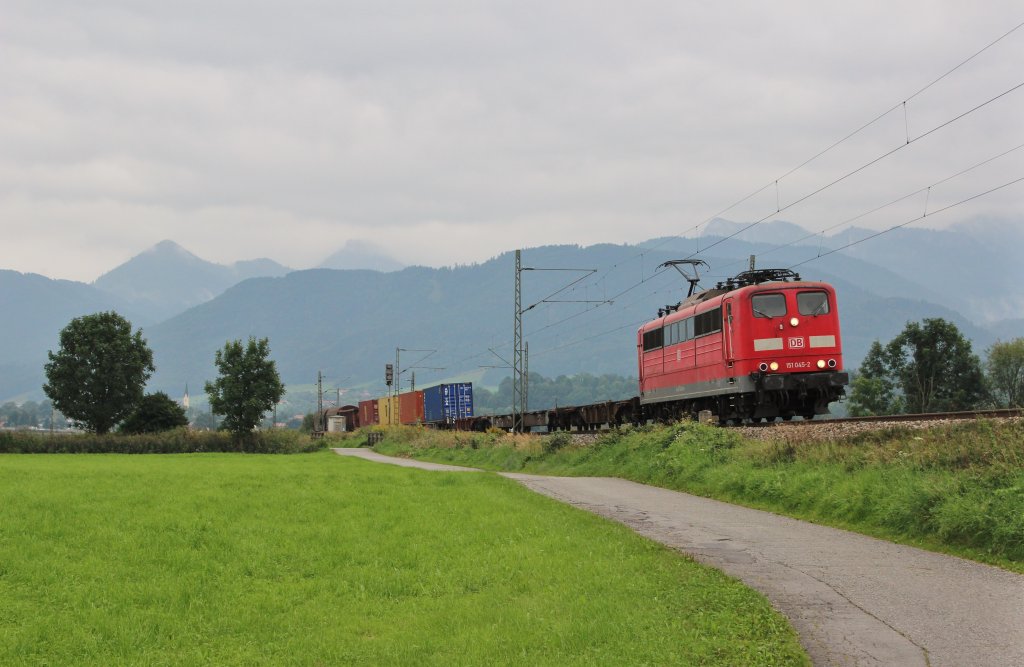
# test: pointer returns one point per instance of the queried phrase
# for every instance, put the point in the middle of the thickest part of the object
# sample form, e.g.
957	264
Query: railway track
929	416
915	418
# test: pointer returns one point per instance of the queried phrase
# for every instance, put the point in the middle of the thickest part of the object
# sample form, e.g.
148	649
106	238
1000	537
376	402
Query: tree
97	376
247	386
205	421
157	412
1004	366
873	390
934	366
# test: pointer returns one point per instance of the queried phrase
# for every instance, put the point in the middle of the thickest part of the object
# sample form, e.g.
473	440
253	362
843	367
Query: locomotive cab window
812	303
769	305
653	339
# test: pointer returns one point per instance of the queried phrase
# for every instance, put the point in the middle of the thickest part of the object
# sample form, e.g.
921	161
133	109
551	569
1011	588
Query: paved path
853	600
394	460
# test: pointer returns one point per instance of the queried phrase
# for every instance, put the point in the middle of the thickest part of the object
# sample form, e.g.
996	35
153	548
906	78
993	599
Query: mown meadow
315	559
957	488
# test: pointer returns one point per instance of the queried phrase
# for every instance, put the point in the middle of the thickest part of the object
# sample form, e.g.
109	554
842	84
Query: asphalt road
854	600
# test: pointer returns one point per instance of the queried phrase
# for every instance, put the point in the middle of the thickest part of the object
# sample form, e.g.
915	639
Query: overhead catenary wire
858	130
880	233
775	183
926	189
638	323
912	220
801	199
870	163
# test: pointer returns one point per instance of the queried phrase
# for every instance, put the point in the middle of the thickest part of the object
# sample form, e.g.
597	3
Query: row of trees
31	415
930	367
97	376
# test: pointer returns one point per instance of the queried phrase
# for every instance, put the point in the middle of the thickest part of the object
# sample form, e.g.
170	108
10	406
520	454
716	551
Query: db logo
795	343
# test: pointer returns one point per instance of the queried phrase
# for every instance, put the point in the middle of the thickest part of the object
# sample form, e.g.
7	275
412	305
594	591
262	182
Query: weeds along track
837	428
826	429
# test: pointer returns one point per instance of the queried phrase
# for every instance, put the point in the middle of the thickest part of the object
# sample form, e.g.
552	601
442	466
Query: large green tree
97	376
247	386
928	367
156	412
933	365
873	390
1004	369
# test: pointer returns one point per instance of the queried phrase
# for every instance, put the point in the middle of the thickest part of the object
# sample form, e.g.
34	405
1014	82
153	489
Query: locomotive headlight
774	365
831	363
793	322
821	363
763	367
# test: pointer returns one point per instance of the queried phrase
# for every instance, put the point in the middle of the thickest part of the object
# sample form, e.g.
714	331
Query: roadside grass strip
315	559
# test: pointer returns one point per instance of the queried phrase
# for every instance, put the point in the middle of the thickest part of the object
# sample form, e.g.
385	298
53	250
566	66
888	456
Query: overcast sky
451	131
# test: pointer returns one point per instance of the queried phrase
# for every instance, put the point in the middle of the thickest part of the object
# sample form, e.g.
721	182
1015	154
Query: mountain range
348	322
167	279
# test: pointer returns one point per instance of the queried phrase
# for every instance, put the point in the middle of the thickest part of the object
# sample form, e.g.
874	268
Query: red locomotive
761	345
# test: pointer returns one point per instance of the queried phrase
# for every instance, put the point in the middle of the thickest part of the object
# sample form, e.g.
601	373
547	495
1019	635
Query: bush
556	441
155	413
178	441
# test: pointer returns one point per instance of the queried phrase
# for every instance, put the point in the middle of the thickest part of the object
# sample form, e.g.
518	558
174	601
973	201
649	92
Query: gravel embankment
833	430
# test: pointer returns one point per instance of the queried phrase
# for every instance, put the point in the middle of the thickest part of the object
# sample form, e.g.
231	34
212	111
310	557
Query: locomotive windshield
812	303
768	305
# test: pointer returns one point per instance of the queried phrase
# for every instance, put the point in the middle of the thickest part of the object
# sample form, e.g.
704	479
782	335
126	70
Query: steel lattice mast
518	390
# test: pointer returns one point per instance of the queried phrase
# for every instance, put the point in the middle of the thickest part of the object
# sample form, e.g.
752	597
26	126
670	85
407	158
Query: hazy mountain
35	309
976	267
349	322
357	254
774	231
167	279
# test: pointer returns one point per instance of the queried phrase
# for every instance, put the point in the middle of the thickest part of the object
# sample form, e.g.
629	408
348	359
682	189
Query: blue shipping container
447	402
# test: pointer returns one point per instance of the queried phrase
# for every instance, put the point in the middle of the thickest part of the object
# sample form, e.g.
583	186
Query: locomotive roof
753	278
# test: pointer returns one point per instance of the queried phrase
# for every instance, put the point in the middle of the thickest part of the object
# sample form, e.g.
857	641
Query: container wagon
444	404
410	407
369	412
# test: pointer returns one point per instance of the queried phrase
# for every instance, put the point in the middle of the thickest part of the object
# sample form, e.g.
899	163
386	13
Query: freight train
763	345
439	407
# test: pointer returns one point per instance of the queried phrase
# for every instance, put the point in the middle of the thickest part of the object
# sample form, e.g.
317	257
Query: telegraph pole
518	399
319	400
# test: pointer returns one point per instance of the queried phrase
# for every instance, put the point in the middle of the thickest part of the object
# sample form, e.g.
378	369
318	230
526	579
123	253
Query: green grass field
314	559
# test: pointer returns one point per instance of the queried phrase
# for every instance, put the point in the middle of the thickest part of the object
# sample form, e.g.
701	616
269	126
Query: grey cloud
535	121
